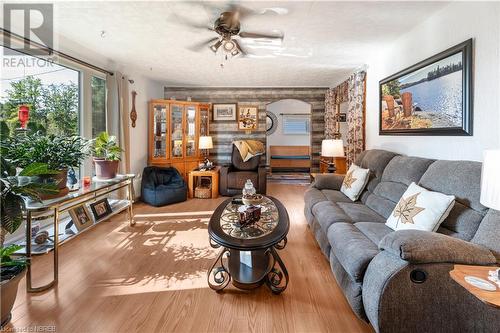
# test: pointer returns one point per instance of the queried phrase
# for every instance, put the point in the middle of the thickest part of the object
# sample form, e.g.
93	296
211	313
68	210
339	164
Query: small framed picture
224	112
248	118
342	117
101	209
81	217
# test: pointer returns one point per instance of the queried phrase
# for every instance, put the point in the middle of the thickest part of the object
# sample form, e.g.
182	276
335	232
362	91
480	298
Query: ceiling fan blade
202	45
188	22
243	51
245	34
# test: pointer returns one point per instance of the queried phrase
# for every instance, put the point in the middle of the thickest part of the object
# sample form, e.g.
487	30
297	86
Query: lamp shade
490	179
332	148
206	142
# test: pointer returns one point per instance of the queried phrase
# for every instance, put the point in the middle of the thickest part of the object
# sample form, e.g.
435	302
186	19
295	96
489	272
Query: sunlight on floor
203	213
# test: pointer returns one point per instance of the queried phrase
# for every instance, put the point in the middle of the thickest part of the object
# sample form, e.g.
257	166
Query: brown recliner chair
233	177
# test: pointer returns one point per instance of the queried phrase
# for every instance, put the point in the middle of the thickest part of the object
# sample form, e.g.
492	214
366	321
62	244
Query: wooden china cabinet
174	131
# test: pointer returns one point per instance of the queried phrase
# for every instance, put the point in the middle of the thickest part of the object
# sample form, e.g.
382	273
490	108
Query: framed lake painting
433	97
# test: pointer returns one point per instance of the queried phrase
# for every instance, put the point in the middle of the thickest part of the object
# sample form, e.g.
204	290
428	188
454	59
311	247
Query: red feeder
23	115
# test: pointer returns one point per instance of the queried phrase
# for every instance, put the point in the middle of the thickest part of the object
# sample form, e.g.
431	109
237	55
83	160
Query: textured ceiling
324	41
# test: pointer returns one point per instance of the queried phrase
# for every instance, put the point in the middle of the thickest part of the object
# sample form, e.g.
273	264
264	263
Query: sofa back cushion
250	165
399	173
463	180
376	160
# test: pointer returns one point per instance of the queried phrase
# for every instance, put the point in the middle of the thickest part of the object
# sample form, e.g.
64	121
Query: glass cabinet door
160	131
204	122
190	130
176	130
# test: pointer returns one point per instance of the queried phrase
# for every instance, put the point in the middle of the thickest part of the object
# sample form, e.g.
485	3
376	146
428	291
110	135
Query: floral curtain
351	91
333	97
356	116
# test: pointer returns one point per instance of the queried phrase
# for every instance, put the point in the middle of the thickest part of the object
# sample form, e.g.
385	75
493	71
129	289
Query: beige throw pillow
354	182
420	209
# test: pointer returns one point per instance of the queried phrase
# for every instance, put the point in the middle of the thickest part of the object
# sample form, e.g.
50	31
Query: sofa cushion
312	196
463	180
335	196
399	173
360	212
352	248
376	160
373	230
327	213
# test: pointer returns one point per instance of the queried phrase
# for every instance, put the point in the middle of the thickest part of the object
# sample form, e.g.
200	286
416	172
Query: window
98	105
51	91
296	124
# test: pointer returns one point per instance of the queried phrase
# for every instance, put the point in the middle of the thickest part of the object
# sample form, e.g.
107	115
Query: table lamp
332	148
490	180
206	144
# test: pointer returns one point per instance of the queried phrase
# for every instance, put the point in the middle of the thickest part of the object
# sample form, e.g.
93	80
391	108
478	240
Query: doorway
288	141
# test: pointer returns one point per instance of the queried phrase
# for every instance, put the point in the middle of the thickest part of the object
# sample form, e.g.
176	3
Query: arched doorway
288	140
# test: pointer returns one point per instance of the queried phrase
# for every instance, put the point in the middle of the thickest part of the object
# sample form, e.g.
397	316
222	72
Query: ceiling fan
228	27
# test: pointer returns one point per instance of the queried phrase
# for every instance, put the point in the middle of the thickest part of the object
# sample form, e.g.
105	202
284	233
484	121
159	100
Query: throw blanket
249	148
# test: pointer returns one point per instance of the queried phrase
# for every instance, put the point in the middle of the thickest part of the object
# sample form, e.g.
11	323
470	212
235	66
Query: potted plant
60	153
13	189
106	156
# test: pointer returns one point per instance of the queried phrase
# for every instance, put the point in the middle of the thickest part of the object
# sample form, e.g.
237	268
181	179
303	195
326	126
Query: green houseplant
106	156
14	188
58	152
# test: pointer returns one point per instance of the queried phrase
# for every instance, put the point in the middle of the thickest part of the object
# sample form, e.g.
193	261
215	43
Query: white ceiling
324	41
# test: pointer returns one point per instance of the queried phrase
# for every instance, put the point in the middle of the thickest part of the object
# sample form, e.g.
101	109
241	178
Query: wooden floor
152	278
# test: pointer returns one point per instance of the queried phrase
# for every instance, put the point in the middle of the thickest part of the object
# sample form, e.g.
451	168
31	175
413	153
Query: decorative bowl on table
252	200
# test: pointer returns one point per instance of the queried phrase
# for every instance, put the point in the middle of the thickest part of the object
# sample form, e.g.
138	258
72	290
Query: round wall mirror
271	122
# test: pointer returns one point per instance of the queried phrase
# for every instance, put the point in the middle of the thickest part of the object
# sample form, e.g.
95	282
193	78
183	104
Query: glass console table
86	194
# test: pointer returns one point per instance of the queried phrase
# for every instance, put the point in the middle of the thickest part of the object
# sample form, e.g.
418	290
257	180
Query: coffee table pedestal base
266	267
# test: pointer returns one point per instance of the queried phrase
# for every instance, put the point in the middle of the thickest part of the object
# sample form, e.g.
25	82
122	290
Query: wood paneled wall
223	133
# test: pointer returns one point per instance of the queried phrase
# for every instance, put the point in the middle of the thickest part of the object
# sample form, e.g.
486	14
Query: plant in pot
106	156
14	190
58	152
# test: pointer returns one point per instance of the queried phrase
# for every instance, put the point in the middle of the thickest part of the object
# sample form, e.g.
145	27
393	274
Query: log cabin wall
223	133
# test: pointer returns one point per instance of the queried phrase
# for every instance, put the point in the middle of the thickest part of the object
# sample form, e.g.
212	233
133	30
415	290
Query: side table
213	174
458	274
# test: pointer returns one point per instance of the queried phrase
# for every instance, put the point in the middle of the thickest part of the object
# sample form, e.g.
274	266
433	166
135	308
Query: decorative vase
105	169
9	293
61	179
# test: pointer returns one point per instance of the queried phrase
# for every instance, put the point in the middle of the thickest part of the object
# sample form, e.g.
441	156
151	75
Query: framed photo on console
433	97
101	208
224	112
81	217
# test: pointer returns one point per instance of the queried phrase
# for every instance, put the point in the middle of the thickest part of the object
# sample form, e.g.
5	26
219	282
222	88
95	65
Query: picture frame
430	98
342	117
248	118
101	209
80	216
224	112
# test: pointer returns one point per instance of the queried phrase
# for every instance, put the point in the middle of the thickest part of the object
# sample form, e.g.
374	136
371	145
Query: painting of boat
432	97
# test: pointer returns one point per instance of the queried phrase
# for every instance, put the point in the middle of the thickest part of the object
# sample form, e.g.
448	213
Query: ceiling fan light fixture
216	46
229	46
235	52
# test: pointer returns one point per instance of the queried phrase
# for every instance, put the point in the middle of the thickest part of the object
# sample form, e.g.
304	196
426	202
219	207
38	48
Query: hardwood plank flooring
152	278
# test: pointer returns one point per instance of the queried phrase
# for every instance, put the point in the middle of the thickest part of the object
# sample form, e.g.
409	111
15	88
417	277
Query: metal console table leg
29	283
130	197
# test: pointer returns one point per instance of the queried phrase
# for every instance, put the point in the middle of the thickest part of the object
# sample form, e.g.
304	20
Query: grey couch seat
373	264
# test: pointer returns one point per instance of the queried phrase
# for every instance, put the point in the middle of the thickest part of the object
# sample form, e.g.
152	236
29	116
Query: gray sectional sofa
399	280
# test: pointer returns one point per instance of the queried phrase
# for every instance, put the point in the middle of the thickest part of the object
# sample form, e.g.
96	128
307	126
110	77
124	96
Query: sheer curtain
117	122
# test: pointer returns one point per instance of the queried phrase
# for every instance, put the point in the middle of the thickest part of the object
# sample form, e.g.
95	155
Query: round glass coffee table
249	254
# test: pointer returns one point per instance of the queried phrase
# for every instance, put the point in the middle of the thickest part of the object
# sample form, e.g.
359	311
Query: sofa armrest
418	247
328	181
